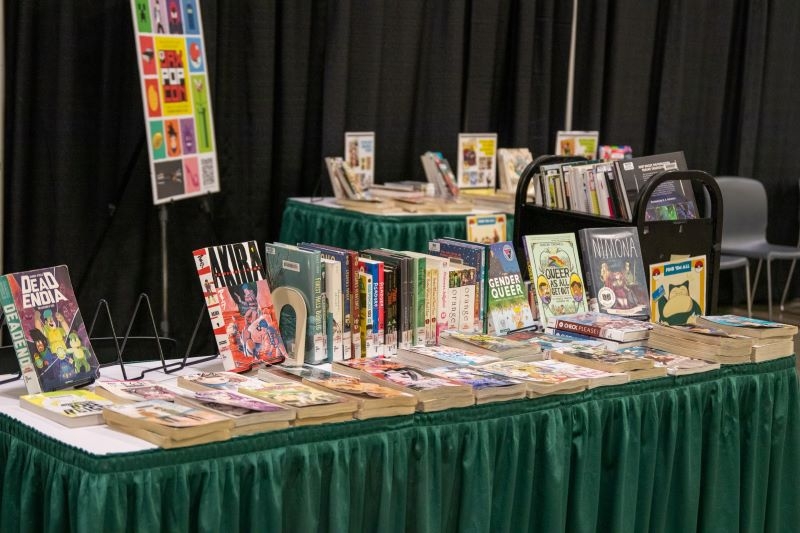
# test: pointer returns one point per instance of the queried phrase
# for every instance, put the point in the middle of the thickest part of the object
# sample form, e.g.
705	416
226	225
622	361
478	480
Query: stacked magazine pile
701	342
771	340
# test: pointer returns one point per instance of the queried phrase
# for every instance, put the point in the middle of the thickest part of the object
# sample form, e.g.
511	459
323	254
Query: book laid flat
602	325
702	342
313	405
676	365
615	277
600	358
752	327
177	422
555	271
774	348
432	393
128	391
239	302
163	441
71	408
678	290
249	415
431	356
373	399
545	342
486	386
500	346
47	330
200	381
541	377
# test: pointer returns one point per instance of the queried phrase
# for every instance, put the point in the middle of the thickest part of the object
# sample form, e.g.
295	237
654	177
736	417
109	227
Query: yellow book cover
678	290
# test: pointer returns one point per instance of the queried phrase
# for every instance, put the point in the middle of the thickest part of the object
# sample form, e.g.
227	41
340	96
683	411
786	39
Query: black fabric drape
287	79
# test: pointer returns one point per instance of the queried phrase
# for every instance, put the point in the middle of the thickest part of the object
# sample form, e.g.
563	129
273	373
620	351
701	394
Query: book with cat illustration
678	290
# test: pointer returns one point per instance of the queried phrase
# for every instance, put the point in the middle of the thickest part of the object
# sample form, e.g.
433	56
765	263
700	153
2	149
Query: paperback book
434	356
128	391
711	344
678	291
752	327
487	386
477	160
541	377
507	305
555	268
249	415
359	152
612	262
311	403
500	346
47	330
71	408
511	163
676	365
240	306
602	326
600	358
582	143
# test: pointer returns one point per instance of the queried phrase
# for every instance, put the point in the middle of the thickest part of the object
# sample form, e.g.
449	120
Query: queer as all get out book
47	330
240	305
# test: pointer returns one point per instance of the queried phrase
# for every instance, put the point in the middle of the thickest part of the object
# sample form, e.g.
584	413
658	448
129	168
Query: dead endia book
612	261
678	290
47	330
240	305
555	270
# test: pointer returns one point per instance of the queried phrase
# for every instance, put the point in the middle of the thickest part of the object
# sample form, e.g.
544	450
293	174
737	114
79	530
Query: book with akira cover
240	305
47	330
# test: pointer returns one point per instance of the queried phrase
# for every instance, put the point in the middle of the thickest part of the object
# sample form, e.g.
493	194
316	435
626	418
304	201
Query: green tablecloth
349	229
711	452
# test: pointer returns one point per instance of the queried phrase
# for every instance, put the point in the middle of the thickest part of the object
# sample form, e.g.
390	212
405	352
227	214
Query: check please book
601	325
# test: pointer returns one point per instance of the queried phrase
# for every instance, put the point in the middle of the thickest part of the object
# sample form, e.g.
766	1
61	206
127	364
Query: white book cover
477	160
333	293
359	150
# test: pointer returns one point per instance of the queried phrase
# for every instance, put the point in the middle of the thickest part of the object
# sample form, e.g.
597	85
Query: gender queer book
477	160
290	266
507	305
678	291
672	200
239	303
612	262
47	330
555	270
71	408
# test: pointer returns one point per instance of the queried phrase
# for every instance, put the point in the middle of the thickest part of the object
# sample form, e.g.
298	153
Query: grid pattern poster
177	104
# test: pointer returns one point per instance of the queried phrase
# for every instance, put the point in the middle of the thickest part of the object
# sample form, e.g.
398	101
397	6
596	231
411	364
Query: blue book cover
470	254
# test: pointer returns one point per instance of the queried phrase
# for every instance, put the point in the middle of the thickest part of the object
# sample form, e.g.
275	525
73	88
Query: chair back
744	202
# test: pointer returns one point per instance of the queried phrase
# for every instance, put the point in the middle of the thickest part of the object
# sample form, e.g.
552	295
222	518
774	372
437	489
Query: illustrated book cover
477	160
486	229
678	290
239	301
555	269
132	390
613	265
583	143
752	327
507	306
71	408
47	330
676	365
601	326
511	163
359	152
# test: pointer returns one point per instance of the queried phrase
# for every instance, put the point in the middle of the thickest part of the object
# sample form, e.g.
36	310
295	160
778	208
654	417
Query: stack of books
556	377
71	408
129	391
434	356
432	392
167	424
373	400
499	346
615	331
249	415
675	365
486	386
601	358
771	340
699	342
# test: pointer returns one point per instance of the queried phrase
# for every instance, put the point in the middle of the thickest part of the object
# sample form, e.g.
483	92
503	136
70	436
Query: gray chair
791	268
744	228
728	262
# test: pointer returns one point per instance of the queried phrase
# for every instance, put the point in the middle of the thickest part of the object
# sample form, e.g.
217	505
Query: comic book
239	303
507	305
678	290
511	162
47	330
73	408
555	269
477	160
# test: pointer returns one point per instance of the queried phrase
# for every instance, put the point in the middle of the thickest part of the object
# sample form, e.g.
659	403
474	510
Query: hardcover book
555	269
602	326
240	306
678	290
290	266
612	262
672	200
47	330
71	408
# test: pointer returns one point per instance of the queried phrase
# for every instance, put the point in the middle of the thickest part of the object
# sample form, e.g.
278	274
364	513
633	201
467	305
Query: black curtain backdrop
288	78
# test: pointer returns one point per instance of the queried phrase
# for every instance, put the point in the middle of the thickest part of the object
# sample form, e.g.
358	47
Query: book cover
486	229
239	302
582	143
359	149
350	385
375	315
469	254
501	346
231	381
678	290
235	404
72	408
293	394
612	262
486	385
600	358
400	375
444	355
610	152
676	365
47	330
477	154
507	305
602	326
126	391
167	418
511	163
290	266
752	327
554	267
672	200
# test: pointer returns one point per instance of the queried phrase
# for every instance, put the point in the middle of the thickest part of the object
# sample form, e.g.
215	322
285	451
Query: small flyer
477	160
359	150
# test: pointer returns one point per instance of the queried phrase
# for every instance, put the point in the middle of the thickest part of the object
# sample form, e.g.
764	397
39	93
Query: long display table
325	223
712	452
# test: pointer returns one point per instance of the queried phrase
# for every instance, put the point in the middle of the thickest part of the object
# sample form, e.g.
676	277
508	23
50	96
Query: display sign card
477	160
582	143
359	150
